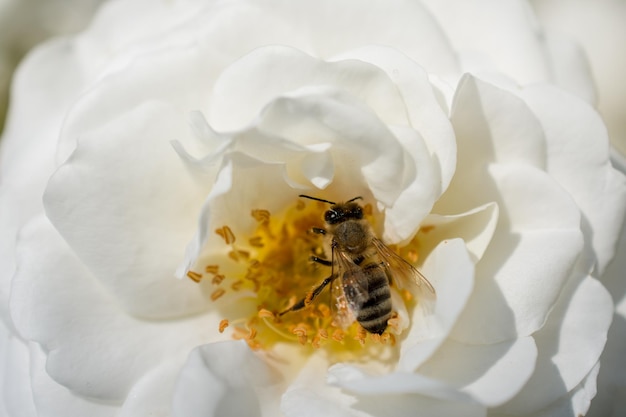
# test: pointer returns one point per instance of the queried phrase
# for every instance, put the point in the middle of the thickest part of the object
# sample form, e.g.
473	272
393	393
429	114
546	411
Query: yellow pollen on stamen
212	269
262	216
217	279
223	325
272	264
266	314
217	294
256	241
194	276
227	234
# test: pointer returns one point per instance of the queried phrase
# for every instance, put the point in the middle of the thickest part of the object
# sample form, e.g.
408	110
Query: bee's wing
403	274
348	290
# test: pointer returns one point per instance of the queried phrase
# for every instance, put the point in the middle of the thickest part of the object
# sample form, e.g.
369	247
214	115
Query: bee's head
340	212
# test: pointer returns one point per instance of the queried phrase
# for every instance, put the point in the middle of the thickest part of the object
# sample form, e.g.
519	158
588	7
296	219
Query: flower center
276	271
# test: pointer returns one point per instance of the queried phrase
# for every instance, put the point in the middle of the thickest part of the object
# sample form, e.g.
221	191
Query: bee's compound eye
330	216
358	212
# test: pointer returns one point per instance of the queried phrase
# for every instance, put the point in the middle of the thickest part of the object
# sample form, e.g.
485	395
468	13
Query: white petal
492	374
492	126
476	227
309	395
610	400
451	272
570	66
361	144
152	393
401	394
44	85
226	379
28	149
239	97
13	212
126	204
424	110
94	347
502	33
576	402
402	23
16	397
53	399
534	249
419	191
578	156
569	346
119	71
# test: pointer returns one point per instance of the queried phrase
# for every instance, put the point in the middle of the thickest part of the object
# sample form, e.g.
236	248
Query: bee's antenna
317	199
355	198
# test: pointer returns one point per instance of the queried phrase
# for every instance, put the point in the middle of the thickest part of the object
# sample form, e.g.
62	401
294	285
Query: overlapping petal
131	246
226	379
86	325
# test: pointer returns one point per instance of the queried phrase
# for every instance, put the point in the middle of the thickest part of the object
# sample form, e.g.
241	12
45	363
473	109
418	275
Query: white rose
166	122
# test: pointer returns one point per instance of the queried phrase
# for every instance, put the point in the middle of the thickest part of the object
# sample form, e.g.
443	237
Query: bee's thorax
352	236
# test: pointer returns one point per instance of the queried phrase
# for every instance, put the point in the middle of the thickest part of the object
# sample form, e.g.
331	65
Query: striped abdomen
374	312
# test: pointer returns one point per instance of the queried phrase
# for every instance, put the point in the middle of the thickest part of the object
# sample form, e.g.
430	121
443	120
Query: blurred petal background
599	26
25	23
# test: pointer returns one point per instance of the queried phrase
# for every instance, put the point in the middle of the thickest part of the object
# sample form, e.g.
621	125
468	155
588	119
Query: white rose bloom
172	139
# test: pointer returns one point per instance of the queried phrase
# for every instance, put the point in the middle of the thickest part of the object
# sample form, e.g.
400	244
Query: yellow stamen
256	242
211	269
217	279
194	276
272	262
227	234
217	294
223	325
265	314
261	216
427	228
338	335
360	336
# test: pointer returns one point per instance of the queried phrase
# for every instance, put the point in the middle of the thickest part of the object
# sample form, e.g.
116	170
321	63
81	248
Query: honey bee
363	269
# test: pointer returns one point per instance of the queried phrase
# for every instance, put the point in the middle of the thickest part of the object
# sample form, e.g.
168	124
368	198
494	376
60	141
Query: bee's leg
324	262
309	297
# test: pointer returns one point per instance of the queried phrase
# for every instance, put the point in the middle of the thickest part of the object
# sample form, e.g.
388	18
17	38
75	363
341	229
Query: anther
256	242
261	216
338	335
227	234
265	314
194	276
223	325
217	294
211	269
217	279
